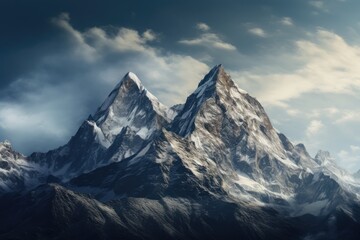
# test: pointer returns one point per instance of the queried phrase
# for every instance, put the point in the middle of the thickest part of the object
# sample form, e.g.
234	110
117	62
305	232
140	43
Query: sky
300	59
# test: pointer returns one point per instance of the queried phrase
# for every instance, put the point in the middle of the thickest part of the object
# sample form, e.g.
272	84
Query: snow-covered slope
129	118
229	134
130	105
16	172
328	166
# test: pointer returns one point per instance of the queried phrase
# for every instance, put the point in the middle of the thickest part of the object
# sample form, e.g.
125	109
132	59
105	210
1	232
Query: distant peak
300	147
323	154
6	143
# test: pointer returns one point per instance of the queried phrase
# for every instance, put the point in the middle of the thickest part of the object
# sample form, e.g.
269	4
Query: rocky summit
211	168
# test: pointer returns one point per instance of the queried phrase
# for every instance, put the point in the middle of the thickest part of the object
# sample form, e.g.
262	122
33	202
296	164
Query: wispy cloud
259	32
348	116
287	21
149	35
314	127
203	27
349	158
208	39
317	4
326	64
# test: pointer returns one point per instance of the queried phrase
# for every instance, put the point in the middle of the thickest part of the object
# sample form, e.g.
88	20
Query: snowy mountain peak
129	91
130	82
216	80
131	105
129	117
132	76
5	144
217	92
211	77
323	156
129	78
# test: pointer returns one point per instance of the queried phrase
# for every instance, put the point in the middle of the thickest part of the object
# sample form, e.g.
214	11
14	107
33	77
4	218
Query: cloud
349	116
149	35
314	127
259	32
203	27
317	4
287	21
211	40
355	148
140	55
338	116
67	84
325	63
328	112
350	158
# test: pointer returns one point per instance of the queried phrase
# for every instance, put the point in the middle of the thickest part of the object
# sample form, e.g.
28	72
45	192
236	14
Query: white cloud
324	112
85	50
317	4
355	148
287	21
314	127
211	40
293	112
149	35
350	158
203	27
257	32
325	64
337	115
125	40
348	116
98	60
150	62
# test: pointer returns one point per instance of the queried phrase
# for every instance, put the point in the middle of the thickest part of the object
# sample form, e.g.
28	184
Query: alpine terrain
211	168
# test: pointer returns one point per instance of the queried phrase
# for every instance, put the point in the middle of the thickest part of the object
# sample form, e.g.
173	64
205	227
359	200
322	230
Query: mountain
343	177
16	173
129	118
211	168
221	144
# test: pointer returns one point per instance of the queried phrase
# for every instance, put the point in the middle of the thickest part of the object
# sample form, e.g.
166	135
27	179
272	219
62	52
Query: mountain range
211	168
